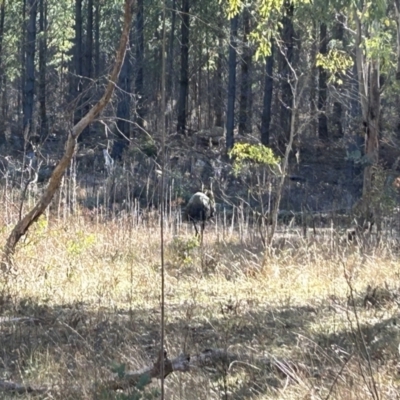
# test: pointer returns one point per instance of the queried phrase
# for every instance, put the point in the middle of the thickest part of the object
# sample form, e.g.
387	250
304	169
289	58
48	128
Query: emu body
200	208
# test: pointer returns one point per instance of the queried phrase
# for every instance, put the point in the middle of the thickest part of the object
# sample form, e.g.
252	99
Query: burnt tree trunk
42	68
323	133
2	80
122	135
87	67
76	91
29	86
184	79
245	84
285	61
230	112
267	101
139	65
218	99
337	112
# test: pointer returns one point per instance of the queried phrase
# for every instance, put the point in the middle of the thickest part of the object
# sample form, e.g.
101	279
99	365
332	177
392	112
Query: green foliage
80	243
245	154
139	392
182	250
336	61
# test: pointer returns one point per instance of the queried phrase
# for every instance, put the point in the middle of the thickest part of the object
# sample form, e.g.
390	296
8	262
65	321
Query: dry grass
94	285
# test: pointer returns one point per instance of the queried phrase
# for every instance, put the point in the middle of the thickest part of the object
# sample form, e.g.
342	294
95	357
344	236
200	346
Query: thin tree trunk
285	60
32	216
184	80
314	81
245	84
338	34
123	109
267	102
323	133
87	72
139	80
170	71
2	85
78	60
397	13
218	100
42	68
97	67
230	113
29	86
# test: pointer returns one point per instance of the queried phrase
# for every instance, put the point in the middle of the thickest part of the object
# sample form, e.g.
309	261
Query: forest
114	113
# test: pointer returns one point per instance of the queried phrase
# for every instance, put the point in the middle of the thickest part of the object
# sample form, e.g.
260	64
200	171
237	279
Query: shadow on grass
75	346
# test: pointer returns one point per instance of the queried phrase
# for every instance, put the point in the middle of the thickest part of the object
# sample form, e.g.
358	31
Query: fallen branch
182	363
20	389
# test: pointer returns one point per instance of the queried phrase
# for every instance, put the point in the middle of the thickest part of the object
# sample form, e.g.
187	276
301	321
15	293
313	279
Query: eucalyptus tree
184	74
29	55
246	63
267	98
230	112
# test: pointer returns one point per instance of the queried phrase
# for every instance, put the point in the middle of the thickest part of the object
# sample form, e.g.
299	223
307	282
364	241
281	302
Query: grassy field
308	319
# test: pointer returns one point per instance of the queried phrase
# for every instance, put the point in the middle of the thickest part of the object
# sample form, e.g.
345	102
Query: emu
201	207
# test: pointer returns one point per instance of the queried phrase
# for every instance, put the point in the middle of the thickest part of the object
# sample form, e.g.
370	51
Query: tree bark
184	80
230	113
139	80
267	102
218	99
368	85
285	61
122	135
42	69
322	89
29	86
87	67
78	61
338	34
55	179
97	67
397	13
2	124
245	84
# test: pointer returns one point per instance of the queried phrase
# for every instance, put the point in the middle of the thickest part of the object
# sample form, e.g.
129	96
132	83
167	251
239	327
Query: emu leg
195	227
203	224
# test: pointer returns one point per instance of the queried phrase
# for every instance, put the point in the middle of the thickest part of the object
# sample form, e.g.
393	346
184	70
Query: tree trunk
218	99
139	83
338	34
322	90
267	102
78	61
368	84
122	135
230	113
29	86
97	67
314	81
245	84
42	69
285	61
397	12
87	67
184	80
32	216
2	88
170	70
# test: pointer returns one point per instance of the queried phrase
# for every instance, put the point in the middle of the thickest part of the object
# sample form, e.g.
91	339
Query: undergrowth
315	318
